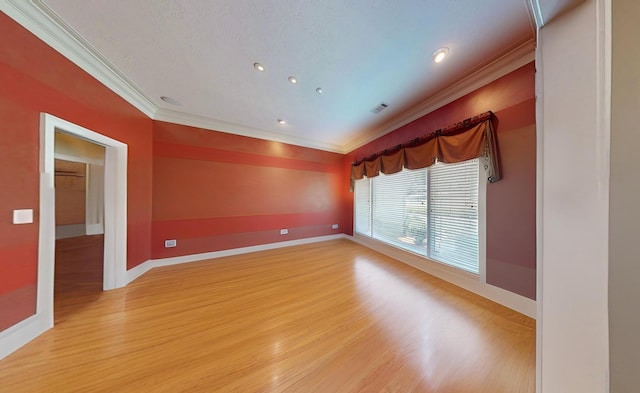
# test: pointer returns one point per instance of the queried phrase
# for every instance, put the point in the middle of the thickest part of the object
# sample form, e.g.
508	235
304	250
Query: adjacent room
331	196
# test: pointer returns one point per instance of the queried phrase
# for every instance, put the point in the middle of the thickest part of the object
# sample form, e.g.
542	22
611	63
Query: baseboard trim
144	267
464	280
13	338
20	334
71	230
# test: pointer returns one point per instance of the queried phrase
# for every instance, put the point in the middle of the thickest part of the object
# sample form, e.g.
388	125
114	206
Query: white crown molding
238	129
511	61
45	24
536	12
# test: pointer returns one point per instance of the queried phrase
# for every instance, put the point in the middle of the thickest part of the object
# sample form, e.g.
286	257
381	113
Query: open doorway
79	207
111	218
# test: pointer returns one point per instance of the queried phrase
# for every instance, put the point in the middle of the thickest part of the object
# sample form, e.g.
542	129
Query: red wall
511	216
34	78
215	191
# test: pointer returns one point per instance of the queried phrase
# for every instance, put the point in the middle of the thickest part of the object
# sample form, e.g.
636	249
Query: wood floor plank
324	317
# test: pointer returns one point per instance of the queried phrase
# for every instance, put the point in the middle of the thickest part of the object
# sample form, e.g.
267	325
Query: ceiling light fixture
319	90
440	54
170	100
258	67
281	121
293	80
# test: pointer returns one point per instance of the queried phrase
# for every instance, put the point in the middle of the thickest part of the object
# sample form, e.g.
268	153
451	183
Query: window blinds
399	207
431	211
453	214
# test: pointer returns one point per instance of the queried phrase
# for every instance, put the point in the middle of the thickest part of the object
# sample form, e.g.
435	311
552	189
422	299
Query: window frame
482	199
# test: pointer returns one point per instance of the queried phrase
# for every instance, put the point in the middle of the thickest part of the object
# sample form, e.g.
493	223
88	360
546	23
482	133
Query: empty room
330	196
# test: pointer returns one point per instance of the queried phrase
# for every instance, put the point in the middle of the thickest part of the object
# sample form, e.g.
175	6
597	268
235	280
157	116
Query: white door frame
115	210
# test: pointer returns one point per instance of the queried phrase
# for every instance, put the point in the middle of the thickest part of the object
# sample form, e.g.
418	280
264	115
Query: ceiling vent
379	108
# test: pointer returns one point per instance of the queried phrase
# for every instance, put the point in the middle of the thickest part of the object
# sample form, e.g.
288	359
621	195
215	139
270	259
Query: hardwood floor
325	317
78	274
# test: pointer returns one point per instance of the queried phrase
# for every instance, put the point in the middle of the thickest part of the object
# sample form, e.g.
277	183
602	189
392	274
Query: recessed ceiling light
258	66
170	100
440	54
281	121
293	80
319	90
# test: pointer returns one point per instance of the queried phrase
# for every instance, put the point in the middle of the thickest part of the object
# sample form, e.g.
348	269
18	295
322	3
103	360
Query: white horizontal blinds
453	214
399	209
362	210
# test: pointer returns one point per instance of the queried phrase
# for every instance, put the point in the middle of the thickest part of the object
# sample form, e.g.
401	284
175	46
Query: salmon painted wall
511	214
215	191
33	79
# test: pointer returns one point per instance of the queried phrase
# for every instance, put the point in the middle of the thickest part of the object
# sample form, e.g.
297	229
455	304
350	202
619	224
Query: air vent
379	108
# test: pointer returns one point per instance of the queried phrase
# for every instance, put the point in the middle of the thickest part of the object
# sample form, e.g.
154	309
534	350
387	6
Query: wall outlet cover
23	216
284	231
334	226
170	243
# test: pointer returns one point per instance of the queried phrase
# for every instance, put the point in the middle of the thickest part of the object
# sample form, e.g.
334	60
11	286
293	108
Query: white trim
115	234
11	339
83	160
153	263
238	129
94	200
539	83
71	230
482	217
468	281
45	24
115	240
520	56
536	12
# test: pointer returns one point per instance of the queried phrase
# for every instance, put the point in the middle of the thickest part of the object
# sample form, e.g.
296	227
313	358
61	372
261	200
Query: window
432	212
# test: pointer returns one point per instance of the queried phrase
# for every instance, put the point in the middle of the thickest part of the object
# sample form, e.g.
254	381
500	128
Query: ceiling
361	53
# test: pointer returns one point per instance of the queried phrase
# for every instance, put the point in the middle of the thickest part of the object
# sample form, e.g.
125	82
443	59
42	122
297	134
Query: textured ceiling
361	52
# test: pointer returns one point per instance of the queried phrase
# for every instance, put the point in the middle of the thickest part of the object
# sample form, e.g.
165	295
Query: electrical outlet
170	243
334	226
284	231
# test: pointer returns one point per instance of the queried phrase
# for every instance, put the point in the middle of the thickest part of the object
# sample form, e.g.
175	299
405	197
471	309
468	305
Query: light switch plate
23	216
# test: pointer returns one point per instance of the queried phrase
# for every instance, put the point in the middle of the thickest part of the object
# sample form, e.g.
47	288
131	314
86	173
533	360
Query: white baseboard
461	279
95	229
21	333
72	230
144	267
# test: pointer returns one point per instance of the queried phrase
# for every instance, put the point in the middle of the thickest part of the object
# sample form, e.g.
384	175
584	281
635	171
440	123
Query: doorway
79	251
115	210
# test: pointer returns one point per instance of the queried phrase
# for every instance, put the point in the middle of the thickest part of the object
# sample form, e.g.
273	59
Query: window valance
466	140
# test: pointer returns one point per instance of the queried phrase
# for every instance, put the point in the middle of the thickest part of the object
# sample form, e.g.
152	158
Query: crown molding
45	24
535	11
186	119
511	61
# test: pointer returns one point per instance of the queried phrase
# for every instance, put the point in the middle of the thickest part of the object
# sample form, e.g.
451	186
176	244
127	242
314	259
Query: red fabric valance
463	141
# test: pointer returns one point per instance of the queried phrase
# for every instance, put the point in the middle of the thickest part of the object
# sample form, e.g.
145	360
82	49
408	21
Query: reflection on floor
331	317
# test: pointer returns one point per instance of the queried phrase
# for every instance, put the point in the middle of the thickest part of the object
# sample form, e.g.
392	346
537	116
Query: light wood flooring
325	317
